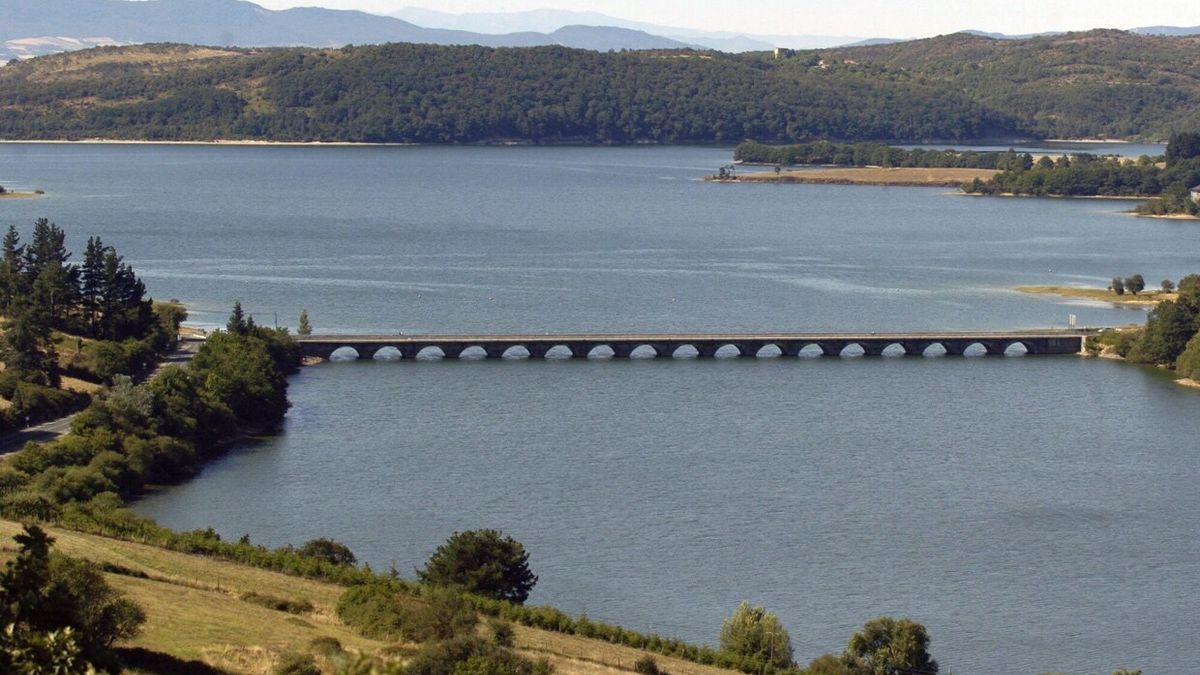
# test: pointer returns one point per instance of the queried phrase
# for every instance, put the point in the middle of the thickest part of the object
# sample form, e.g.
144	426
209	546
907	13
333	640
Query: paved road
54	429
684	337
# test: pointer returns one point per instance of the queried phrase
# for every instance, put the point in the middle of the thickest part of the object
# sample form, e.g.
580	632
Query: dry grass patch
906	176
574	654
1150	297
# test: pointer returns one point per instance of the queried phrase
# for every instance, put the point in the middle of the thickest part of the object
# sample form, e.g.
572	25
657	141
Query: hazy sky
892	18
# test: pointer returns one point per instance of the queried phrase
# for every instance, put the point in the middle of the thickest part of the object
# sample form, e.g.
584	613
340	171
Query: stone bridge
623	345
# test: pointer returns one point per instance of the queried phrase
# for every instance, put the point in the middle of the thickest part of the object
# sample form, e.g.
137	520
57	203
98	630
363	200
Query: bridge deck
580	345
685	337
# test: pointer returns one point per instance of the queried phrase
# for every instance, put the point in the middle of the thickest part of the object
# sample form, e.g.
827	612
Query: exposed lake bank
1151	297
899	177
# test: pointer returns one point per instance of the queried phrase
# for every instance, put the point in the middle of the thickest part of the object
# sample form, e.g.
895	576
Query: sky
885	18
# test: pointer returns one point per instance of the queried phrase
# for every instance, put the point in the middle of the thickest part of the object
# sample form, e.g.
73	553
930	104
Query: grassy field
918	177
1150	297
196	612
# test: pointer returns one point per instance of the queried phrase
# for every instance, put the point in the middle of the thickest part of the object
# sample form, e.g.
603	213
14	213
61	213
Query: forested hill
435	94
953	88
1102	82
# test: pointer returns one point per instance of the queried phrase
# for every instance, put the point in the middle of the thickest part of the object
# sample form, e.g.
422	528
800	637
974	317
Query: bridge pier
873	347
831	348
915	347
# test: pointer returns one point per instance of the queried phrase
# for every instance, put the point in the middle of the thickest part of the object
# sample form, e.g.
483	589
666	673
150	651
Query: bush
297	664
646	665
469	655
278	604
755	633
503	634
43	593
329	550
483	562
326	646
378	610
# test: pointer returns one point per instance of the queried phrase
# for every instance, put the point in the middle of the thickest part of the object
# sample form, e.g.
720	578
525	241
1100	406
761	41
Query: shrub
297	664
755	633
278	604
469	655
329	550
326	646
483	562
378	610
503	634
646	665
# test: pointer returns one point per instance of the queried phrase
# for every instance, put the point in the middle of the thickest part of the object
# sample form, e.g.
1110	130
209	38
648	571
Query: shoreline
1165	216
220	141
877	176
1146	299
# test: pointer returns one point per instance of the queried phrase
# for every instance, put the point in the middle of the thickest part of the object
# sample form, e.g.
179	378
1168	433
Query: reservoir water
1036	514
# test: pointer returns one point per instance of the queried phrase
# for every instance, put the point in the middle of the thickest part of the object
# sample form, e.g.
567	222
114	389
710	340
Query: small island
1121	291
897	176
10	194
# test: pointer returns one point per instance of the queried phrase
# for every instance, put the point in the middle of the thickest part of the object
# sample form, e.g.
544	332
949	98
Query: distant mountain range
36	27
546	20
30	28
1167	30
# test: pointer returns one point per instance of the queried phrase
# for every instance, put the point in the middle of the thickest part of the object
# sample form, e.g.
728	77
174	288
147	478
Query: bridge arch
683	351
430	353
728	350
1017	348
601	351
558	351
812	350
893	350
516	352
771	350
344	353
975	348
644	350
388	353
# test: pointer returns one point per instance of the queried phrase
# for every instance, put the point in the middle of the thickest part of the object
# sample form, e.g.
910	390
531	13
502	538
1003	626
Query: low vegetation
1084	175
877	154
91	322
1170	339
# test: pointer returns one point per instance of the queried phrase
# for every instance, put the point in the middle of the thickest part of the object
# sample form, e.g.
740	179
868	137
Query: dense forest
1084	175
877	154
952	88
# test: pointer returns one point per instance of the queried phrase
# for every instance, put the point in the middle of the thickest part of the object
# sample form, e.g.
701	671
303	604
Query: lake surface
1036	514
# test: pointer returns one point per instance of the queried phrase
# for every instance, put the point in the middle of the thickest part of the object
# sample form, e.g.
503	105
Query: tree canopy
483	562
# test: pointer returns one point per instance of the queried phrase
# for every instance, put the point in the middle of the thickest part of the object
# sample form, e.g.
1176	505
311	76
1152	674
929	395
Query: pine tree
91	286
305	328
12	279
27	348
237	320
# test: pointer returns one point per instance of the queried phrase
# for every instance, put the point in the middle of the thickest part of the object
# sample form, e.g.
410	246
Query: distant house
1196	193
782	53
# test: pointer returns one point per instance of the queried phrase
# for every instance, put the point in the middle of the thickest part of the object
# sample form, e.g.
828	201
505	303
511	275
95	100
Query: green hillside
953	88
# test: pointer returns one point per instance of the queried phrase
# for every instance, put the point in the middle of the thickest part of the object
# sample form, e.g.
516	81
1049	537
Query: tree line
468	94
1083	175
96	310
877	154
1170	337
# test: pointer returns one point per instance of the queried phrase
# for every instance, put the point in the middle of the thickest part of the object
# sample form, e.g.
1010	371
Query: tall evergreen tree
54	282
91	287
27	348
237	320
12	279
